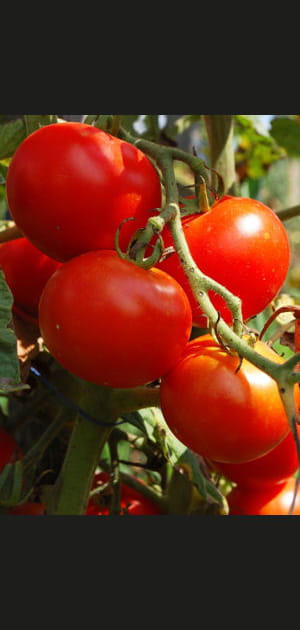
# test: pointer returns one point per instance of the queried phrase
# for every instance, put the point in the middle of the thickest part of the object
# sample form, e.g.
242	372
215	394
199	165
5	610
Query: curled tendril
219	338
137	246
122	254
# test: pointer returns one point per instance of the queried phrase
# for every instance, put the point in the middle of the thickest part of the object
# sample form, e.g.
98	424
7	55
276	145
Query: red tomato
277	465
273	500
132	502
218	412
30	508
26	271
241	244
70	185
9	448
110	322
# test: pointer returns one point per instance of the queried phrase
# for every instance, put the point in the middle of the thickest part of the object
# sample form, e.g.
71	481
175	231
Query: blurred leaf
256	148
184	122
11	135
286	132
9	363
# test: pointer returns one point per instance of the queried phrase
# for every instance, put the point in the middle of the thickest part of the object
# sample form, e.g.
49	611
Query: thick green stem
220	137
71	491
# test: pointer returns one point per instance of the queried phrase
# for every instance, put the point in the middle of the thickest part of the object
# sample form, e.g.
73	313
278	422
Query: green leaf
256	149
11	135
9	363
286	132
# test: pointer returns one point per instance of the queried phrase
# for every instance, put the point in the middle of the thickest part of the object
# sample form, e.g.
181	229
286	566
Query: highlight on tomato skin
242	244
221	413
70	185
112	323
273	500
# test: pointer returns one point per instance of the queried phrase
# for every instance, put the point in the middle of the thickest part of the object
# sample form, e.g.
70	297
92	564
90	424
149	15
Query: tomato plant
131	501
113	323
26	271
70	185
220	411
277	465
240	243
274	500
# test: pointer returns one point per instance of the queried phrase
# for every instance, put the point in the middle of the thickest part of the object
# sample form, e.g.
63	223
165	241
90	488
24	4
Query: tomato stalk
232	337
220	137
70	494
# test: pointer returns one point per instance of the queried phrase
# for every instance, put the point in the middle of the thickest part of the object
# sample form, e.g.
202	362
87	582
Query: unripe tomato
240	243
274	500
219	411
277	465
110	322
26	271
70	185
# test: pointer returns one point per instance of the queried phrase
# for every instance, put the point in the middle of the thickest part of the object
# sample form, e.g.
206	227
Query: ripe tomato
9	448
277	465
70	185
132	502
274	500
110	322
241	244
26	271
220	413
30	508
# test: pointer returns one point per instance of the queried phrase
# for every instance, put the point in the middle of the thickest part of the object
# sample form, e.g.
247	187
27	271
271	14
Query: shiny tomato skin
9	448
240	243
274	500
110	322
276	466
70	185
220	412
26	271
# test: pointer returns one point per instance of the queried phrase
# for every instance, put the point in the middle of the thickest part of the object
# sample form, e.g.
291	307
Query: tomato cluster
107	320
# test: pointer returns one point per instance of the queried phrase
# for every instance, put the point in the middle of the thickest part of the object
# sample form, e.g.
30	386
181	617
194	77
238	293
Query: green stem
288	213
220	138
71	491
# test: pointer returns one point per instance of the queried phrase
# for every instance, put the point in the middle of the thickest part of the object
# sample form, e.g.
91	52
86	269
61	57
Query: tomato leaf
286	132
11	135
9	363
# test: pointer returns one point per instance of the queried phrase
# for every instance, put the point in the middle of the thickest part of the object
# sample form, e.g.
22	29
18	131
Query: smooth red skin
274	500
277	465
132	502
219	413
9	448
70	185
26	271
30	508
250	260
110	322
